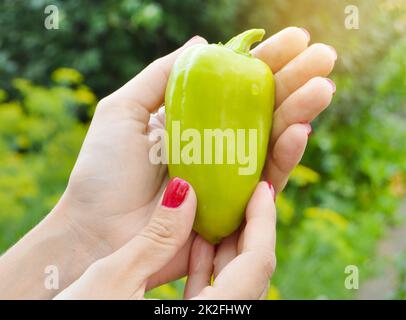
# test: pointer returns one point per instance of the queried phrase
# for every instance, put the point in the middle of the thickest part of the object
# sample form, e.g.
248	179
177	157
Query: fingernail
333	85
272	190
334	52
175	193
307	34
309	129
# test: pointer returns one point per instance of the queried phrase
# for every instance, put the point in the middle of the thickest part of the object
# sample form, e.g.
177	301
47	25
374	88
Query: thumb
124	274
169	227
164	235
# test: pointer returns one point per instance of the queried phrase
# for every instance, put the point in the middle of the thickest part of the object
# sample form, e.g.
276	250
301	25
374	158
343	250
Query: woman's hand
126	273
244	271
114	188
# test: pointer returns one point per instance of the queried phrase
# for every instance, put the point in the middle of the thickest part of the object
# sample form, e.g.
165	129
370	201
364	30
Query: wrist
83	245
55	248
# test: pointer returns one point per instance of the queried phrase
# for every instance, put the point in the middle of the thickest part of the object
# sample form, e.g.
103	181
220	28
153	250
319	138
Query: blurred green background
340	201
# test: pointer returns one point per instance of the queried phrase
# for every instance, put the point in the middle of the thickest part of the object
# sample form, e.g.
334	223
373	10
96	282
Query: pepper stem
242	43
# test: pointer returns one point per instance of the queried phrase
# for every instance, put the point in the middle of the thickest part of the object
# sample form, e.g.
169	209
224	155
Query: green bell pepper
219	104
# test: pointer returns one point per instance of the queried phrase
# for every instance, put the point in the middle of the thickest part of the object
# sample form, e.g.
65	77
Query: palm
113	181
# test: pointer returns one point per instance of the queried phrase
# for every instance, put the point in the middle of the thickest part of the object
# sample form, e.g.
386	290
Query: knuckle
111	101
294	146
104	103
114	104
161	230
158	62
281	166
284	117
159	66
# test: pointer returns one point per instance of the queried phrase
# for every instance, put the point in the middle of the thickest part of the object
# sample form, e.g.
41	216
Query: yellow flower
85	96
273	293
302	175
397	185
3	95
286	209
327	215
23	142
67	75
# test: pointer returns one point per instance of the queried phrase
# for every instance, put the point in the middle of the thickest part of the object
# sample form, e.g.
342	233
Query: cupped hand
114	188
125	274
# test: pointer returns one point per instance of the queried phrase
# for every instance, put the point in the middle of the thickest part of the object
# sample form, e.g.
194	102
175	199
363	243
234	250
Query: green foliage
108	41
39	141
361	164
338	201
400	264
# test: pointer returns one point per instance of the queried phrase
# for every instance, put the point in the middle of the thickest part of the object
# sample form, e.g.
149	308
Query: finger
165	234
286	154
247	276
259	232
302	106
226	251
282	47
147	89
316	61
200	267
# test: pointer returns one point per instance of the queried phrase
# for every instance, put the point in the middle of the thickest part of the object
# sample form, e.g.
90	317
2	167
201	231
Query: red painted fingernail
175	193
333	85
334	52
307	34
272	190
309	129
